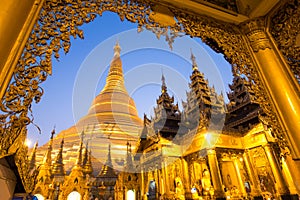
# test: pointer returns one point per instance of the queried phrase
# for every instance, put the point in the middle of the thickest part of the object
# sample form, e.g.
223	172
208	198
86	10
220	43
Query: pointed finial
193	58
52	132
82	135
127	144
32	160
79	157
62	142
59	158
85	154
109	161
163	86
117	49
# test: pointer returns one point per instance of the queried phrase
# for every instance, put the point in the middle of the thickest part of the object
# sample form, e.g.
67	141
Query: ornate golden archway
258	46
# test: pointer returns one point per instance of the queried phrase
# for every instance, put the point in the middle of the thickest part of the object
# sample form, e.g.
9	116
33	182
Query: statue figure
179	190
206	183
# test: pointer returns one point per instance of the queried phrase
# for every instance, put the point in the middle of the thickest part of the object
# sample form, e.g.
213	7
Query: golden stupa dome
111	119
113	105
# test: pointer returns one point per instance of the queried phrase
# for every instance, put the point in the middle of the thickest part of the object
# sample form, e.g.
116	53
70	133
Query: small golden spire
58	166
117	49
59	158
47	157
115	78
79	158
193	58
163	85
32	159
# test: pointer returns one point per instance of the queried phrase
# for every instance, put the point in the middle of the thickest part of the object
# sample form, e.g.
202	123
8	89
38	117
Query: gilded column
239	176
279	82
156	178
164	171
280	184
215	172
142	181
162	182
17	19
290	173
255	189
186	175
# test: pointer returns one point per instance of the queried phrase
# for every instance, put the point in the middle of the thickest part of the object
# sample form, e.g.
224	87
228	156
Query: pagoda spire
109	161
79	157
88	168
163	85
58	165
129	163
193	58
32	158
107	169
117	50
115	78
85	154
47	158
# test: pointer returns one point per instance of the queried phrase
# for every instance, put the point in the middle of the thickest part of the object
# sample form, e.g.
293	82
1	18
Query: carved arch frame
60	20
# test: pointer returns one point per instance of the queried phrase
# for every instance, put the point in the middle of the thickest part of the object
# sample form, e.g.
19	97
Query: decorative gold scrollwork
59	20
285	29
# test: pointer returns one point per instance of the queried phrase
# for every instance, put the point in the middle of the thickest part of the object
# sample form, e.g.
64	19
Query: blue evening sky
80	75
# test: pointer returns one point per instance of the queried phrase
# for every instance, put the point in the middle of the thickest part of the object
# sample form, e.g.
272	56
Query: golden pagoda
112	118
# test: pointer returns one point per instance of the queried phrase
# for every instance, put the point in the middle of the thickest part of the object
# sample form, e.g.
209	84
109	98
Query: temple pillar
165	176
17	19
186	175
157	183
161	180
142	182
239	176
280	184
255	187
290	174
215	173
280	84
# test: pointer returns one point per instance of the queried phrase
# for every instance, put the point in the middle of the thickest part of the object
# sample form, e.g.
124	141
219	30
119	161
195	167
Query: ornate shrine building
208	150
249	148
